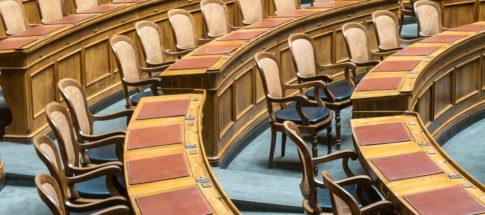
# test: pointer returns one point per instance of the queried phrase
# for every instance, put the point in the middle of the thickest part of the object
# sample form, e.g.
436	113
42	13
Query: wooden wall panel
244	93
466	79
287	73
324	45
457	13
97	62
442	94
424	107
43	80
225	110
482	10
341	53
70	67
259	86
32	12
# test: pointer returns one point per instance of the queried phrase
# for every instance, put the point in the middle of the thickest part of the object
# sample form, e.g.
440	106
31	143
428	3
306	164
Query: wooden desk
395	190
197	163
444	88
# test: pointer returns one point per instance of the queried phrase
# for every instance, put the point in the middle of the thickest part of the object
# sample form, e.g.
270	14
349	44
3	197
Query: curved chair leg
337	128
315	151
271	150
283	144
329	139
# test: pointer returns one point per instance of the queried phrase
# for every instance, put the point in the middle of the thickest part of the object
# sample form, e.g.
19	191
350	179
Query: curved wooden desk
396	190
199	176
445	87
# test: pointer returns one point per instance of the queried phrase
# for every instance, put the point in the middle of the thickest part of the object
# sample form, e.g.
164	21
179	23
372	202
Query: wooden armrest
317	85
388	50
176	53
124	113
235	28
410	41
383	53
92	167
344	155
150	70
379	206
91	137
297	98
324	78
154	81
370	63
114	201
357	180
202	41
104	171
119	139
345	65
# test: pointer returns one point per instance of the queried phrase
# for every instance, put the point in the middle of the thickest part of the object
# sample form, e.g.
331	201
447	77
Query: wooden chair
251	10
74	156
13	17
150	37
429	18
311	119
52	196
283	6
344	203
126	55
75	96
387	31
50	10
216	18
316	198
356	39
183	27
304	56
84	5
101	178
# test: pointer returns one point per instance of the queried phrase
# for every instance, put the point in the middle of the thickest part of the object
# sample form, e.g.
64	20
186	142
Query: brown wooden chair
304	56
283	6
216	18
102	178
387	31
251	10
50	10
74	156
316	198
126	55
13	17
344	203
311	119
150	37
75	96
183	27
52	196
429	18
356	39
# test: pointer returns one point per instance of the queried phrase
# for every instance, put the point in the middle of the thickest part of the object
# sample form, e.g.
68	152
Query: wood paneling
442	94
466	79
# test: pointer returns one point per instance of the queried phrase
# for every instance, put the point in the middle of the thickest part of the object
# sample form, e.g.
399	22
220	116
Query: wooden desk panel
197	163
395	190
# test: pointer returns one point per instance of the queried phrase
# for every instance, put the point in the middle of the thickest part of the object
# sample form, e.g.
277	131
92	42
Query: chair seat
370	194
315	114
96	188
135	99
103	154
341	90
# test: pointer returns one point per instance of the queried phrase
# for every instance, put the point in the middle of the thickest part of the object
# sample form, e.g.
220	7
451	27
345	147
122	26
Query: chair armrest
176	53
357	180
379	206
389	50
201	41
383	53
104	171
92	167
316	86
345	65
369	63
324	78
34	25
90	137
124	113
410	41
299	100
150	70
154	81
98	204
235	27
119	139
344	155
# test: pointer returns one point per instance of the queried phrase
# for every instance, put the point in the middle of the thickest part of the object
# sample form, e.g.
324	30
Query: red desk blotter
268	23
442	39
470	27
157	169
297	13
451	200
71	19
39	30
382	133
14	43
193	63
215	49
388	83
405	166
390	66
188	201
417	51
163	109
241	35
333	4
102	8
155	136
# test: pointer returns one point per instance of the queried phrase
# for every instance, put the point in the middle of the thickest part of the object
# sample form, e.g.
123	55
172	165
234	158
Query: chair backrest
355	35
59	120
216	17
304	54
150	37
428	14
307	186
50	10
342	201
283	6
13	16
74	94
82	5
269	68
386	26
126	55
252	10
183	26
50	193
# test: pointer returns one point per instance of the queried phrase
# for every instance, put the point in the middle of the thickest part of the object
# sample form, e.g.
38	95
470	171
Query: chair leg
337	128
283	144
271	150
315	151
329	139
